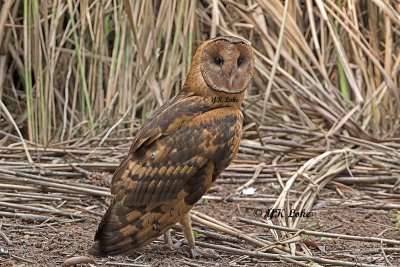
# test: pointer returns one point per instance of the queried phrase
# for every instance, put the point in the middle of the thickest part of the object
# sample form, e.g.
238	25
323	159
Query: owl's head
227	64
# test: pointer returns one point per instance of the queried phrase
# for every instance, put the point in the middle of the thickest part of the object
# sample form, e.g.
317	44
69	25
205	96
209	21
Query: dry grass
71	69
78	77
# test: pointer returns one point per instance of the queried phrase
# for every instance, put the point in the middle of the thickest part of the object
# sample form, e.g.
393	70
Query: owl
179	151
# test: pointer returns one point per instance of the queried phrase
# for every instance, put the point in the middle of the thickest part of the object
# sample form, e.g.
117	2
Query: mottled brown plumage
179	151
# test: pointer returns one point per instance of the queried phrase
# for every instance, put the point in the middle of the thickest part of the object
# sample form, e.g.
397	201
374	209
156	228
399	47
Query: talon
205	253
177	245
193	253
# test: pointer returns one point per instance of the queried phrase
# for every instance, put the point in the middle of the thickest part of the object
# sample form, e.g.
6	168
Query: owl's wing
164	121
183	141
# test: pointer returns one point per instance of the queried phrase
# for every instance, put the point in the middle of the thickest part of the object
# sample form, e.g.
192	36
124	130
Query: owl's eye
239	61
218	61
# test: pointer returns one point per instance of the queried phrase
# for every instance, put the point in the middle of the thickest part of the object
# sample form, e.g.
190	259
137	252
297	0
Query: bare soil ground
35	244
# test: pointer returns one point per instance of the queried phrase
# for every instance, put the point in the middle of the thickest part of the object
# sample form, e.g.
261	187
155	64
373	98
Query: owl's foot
197	252
193	250
177	246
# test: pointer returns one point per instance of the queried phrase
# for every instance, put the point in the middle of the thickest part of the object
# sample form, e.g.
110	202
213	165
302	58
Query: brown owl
179	151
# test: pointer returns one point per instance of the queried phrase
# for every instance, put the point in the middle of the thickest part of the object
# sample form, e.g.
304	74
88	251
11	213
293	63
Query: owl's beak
230	81
232	75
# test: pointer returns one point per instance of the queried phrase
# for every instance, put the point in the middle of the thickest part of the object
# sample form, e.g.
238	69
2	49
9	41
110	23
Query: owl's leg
168	239
186	224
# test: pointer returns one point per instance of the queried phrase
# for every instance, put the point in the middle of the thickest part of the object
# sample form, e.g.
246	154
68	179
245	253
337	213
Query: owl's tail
123	229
